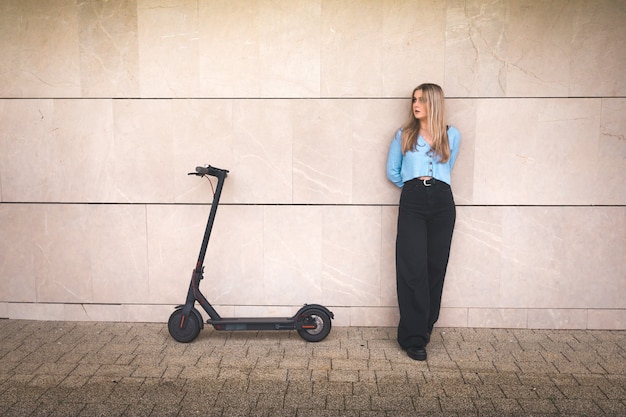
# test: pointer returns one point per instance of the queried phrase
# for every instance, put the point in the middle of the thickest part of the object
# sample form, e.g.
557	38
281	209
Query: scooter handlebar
209	170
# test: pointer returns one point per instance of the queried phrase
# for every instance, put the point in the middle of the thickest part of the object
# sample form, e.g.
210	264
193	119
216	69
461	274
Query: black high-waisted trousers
426	220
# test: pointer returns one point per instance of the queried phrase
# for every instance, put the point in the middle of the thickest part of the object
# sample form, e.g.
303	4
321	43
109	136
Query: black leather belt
426	182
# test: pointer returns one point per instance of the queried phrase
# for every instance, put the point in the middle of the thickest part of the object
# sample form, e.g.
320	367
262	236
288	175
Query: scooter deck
252	323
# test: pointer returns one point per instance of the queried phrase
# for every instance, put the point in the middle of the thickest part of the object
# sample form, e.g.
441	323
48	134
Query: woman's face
420	110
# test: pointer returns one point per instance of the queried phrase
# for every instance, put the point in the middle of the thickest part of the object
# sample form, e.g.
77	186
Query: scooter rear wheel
323	322
183	331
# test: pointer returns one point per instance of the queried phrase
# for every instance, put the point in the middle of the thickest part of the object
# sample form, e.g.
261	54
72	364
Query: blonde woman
420	160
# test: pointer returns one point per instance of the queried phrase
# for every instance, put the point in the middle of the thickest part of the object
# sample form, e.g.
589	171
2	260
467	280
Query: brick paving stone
367	376
265	374
509	366
489	391
537	367
62	409
612	407
543	406
507	406
460	405
364	388
343	375
432	389
349	364
330	353
426	405
59	368
578	407
458	390
392	377
582	392
329	387
395	389
613	392
392	403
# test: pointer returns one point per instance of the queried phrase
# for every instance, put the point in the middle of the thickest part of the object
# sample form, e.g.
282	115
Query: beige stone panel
33	311
413	43
141	153
389	226
557	319
567	257
109	53
606	319
593	261
373	317
536	151
462	115
531	271
202	134
56	150
476	48
77	312
351	255
539	37
39	43
168	38
292	258
229	49
374	125
598	65
474	268
20	229
117	240
223	310
352	48
79	151
94	312
453	317
322	152
90	253
234	257
342	316
497	318
289	48
4	310
174	238
26	138
262	151
610	187
146	313
63	257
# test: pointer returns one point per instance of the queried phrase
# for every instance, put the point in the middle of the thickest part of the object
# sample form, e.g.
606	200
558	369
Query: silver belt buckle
427	184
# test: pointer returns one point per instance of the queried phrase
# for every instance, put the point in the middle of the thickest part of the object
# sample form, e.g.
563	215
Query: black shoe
417	353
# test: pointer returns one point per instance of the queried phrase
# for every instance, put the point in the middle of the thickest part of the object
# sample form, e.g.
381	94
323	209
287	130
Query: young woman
420	160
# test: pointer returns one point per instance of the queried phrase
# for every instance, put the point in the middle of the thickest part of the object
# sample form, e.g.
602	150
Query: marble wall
105	107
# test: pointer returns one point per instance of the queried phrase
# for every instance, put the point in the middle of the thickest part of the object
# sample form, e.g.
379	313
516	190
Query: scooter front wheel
183	329
322	324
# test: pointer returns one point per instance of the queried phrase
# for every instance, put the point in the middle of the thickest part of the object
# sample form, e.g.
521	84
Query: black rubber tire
323	321
190	329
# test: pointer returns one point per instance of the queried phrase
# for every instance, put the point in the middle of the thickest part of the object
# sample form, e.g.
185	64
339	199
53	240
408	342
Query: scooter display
312	321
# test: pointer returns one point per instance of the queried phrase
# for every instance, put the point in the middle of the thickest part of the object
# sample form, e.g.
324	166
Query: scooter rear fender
308	307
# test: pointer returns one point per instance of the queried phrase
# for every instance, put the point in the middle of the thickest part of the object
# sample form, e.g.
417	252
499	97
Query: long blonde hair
435	101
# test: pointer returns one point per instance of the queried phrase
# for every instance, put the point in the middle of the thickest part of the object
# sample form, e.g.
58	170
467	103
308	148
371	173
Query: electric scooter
312	321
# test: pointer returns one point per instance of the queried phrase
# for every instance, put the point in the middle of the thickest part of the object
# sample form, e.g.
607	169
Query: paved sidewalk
131	369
